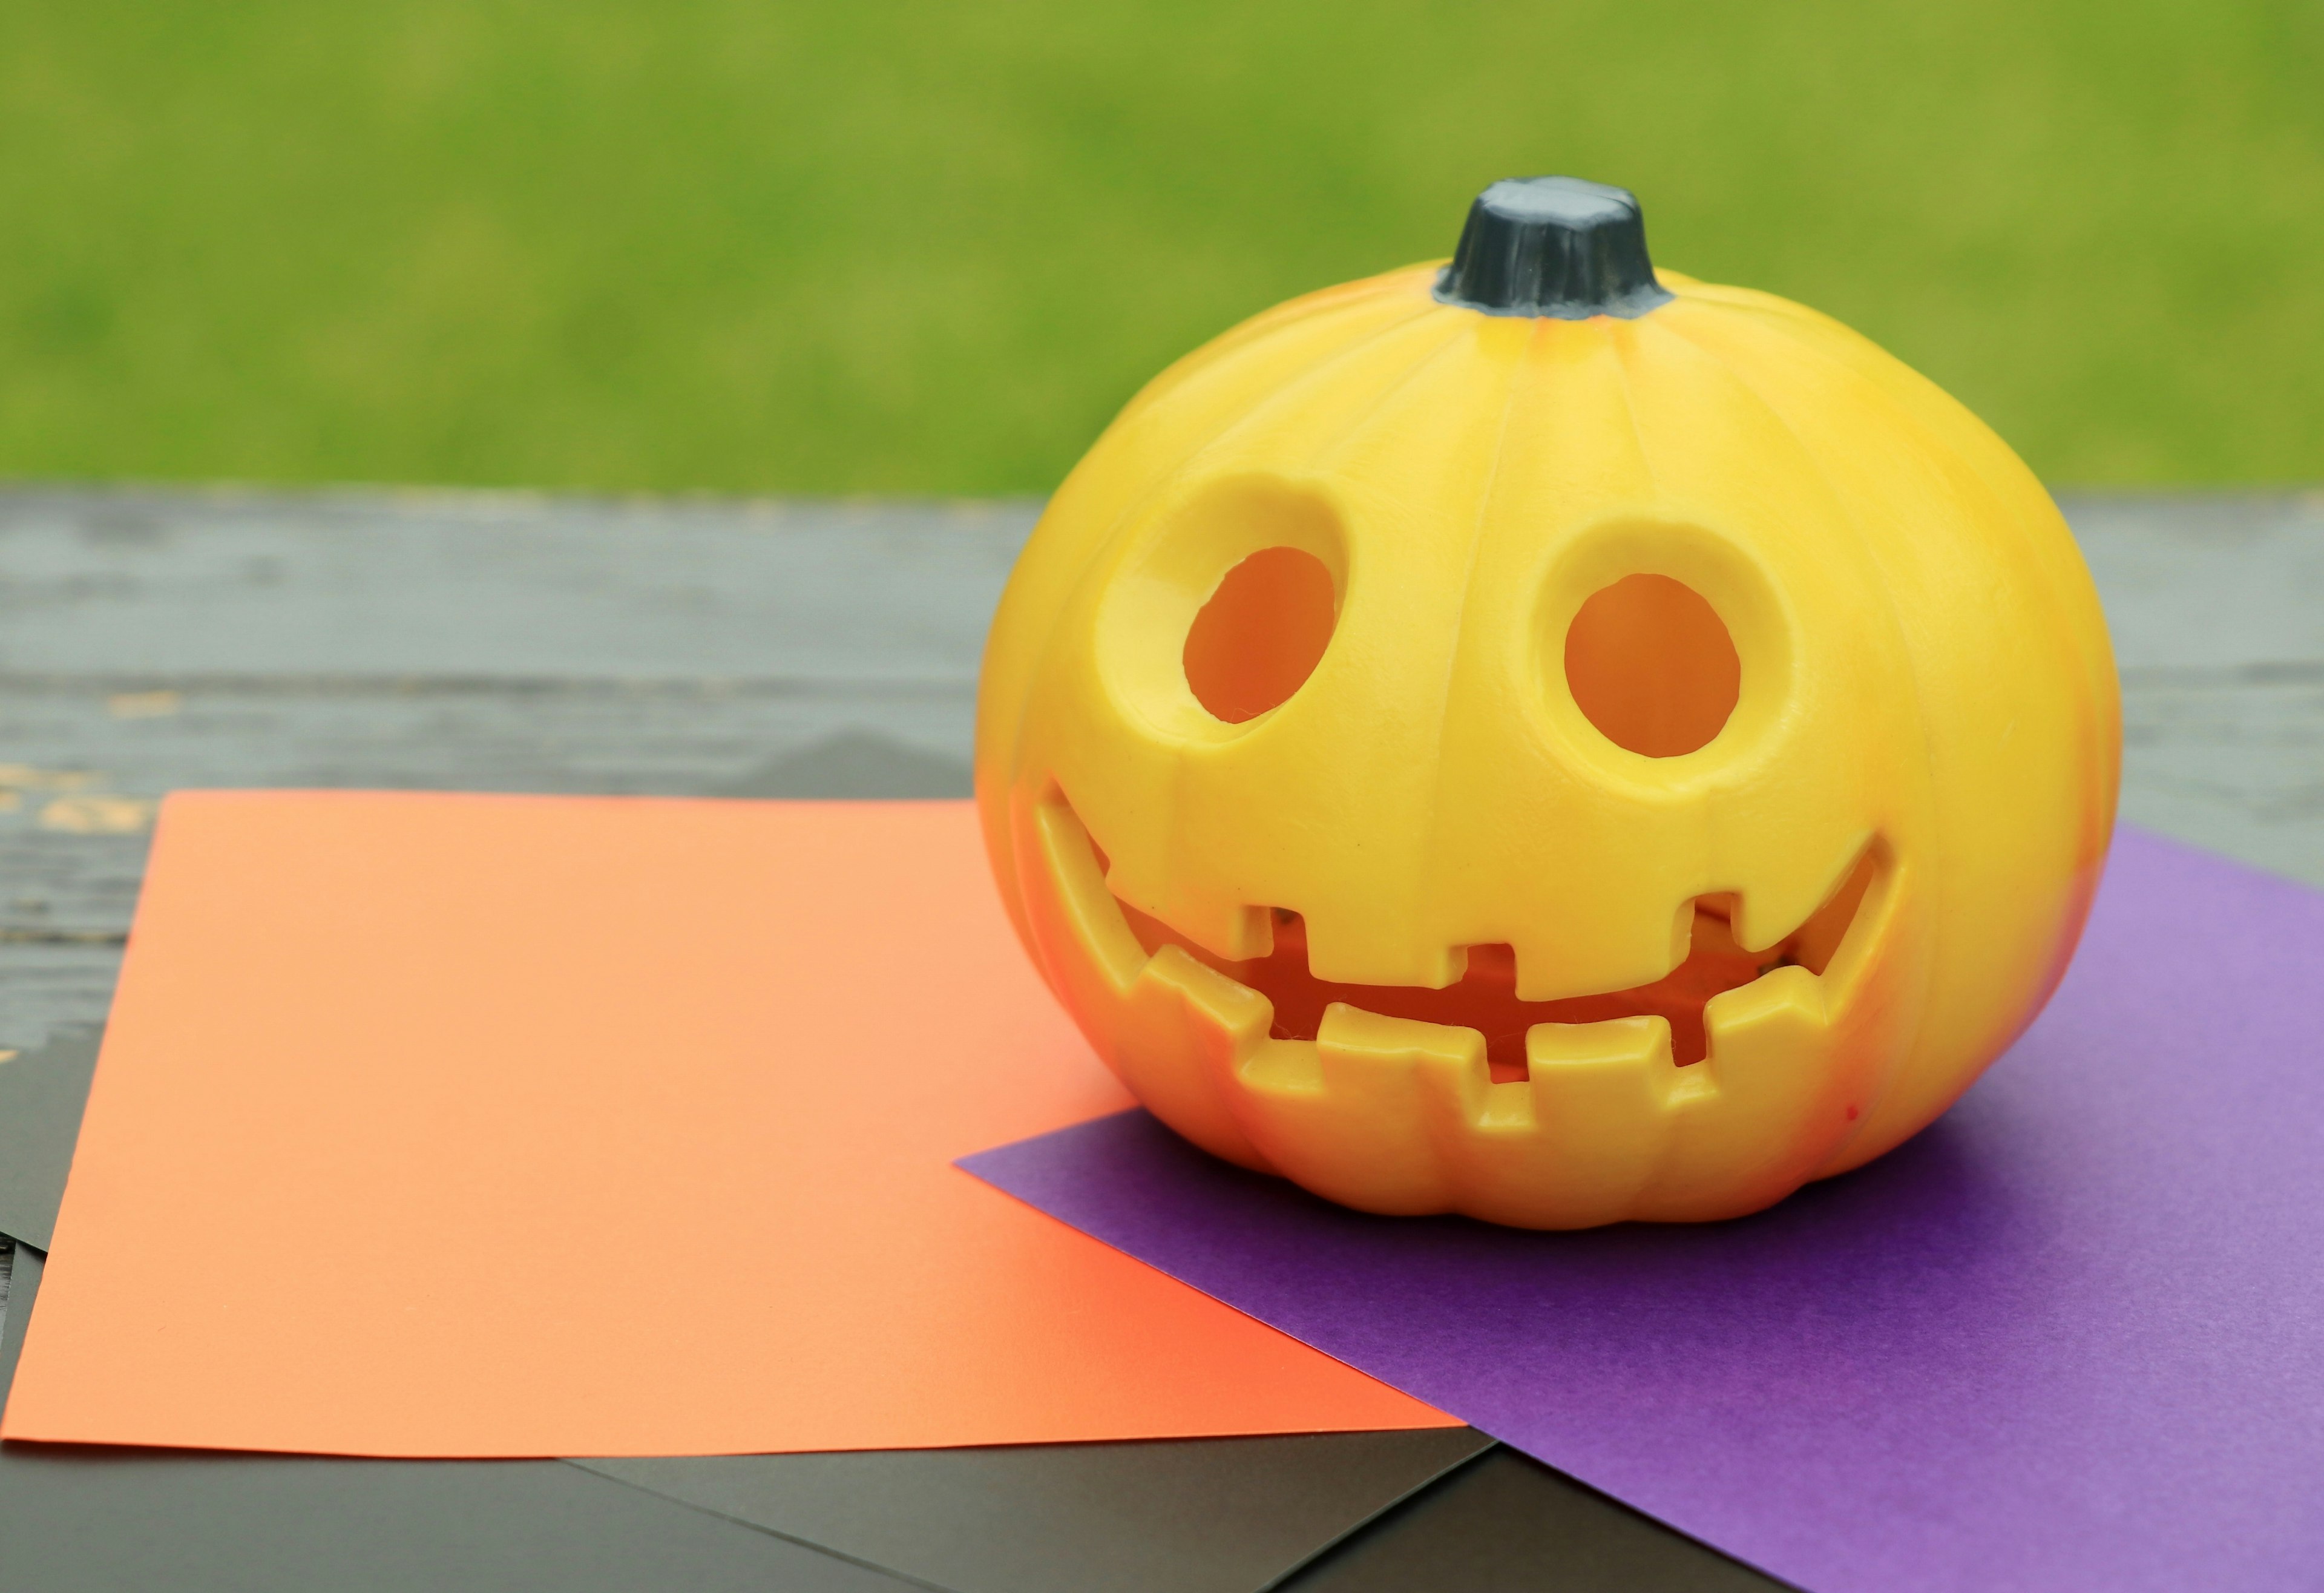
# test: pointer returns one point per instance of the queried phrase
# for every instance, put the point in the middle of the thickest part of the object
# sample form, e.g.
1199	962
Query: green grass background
876	247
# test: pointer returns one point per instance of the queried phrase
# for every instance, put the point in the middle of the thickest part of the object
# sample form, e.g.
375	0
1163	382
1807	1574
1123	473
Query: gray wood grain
494	588
1120	1517
2216	605
152	640
1510	1525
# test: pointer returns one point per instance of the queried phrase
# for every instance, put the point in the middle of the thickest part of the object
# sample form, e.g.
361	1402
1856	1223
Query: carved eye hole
1262	633
1651	665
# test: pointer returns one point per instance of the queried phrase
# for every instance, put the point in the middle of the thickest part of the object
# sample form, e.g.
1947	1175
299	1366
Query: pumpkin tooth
1224	1009
1340	949
1176	1001
1599	1099
1744	1136
1565	965
1570	1146
1801	907
1402	1093
1091	914
1226	931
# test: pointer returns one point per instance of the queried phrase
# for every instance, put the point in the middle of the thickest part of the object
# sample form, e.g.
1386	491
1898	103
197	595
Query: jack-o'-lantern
1533	739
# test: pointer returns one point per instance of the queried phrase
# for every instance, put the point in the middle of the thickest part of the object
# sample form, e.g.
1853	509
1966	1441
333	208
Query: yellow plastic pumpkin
1541	740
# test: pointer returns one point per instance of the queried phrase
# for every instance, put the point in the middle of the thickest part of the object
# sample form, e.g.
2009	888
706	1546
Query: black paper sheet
1510	1525
41	1093
1205	1515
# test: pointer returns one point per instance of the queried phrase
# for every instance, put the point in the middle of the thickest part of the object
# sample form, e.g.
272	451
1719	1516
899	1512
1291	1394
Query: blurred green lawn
871	247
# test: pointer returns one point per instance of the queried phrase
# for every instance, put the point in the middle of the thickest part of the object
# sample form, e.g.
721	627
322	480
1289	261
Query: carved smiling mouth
1485	1000
1706	1093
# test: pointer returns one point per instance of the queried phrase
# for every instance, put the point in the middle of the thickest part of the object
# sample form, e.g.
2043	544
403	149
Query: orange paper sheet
438	1067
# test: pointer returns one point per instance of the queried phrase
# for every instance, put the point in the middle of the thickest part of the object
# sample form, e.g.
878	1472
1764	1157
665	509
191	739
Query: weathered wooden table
151	641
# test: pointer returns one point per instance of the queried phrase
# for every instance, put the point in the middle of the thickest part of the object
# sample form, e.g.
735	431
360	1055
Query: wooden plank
2216	605
153	641
145	585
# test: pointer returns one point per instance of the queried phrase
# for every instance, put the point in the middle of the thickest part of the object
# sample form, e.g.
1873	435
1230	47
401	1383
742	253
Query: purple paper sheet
2071	1337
